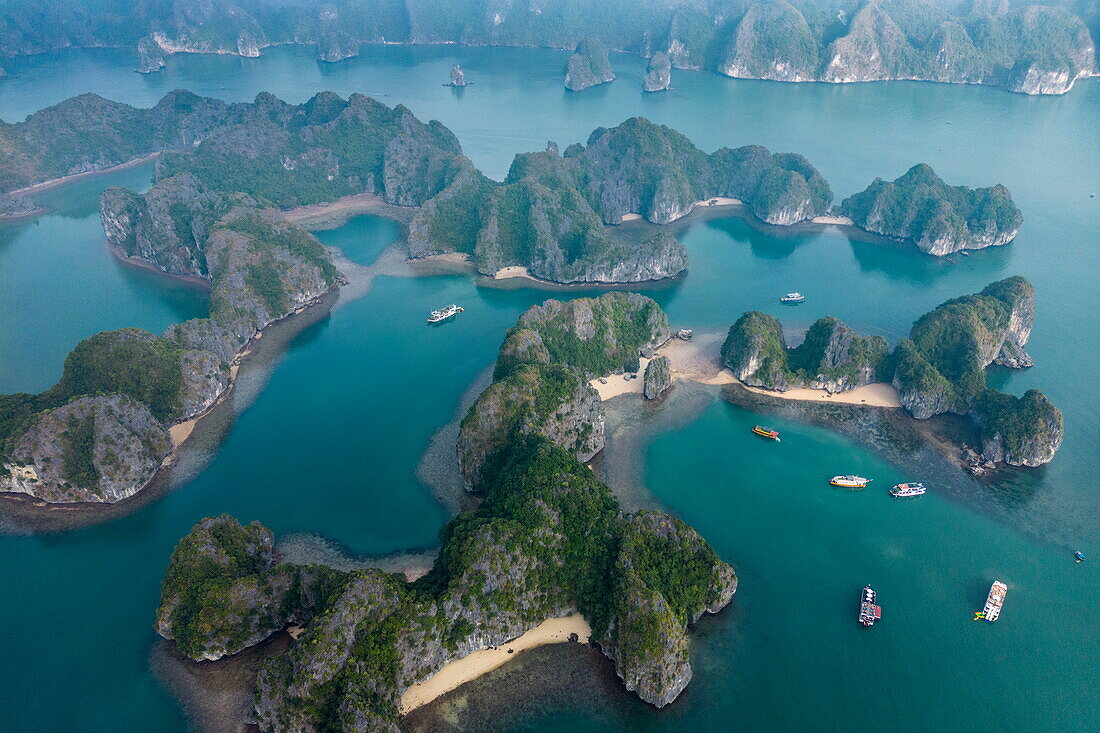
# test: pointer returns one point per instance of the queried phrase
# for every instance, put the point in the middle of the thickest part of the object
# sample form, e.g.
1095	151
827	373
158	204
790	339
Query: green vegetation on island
588	66
101	433
940	368
830	357
1015	44
939	219
547	539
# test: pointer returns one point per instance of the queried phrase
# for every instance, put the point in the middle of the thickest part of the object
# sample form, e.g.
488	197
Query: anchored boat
444	313
792	298
869	613
767	433
903	490
850	482
993	602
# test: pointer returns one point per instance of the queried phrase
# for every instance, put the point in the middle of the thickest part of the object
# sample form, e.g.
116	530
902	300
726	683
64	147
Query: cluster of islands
546	539
1015	45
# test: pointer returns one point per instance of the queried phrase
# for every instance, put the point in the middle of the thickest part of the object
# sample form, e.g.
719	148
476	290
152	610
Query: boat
850	482
993	602
766	433
964	253
903	490
444	313
684	334
869	613
792	298
1079	555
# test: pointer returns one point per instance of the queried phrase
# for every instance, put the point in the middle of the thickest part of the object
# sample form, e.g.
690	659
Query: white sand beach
697	361
472	666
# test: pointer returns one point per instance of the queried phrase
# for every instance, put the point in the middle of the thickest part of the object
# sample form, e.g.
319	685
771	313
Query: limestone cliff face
100	433
336	45
1020	432
658	75
239	611
547	539
588	66
150	56
939	219
648	638
151	228
658	378
93	449
556	403
941	368
771	41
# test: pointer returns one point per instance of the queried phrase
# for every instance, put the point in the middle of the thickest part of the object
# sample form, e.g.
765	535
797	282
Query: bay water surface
332	444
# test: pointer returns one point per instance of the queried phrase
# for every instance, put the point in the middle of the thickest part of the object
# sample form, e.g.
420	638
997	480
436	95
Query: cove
332	444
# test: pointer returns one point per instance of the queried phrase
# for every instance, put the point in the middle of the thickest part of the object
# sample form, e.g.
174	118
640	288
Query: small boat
850	482
684	334
993	602
869	613
1079	555
903	490
444	313
767	433
792	298
964	253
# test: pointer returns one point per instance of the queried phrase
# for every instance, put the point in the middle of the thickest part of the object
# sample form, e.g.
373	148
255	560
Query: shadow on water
900	262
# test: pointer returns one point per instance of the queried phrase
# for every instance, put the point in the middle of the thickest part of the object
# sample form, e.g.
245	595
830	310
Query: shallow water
331	445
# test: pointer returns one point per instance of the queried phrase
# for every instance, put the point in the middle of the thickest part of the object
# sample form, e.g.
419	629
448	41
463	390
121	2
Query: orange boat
766	433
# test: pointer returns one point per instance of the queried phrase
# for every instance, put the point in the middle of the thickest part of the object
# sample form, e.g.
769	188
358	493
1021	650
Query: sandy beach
54	182
460	671
689	360
345	206
511	271
878	394
697	361
838	220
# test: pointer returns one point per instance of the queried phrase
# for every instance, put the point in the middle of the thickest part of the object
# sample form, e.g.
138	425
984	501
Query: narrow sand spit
181	431
475	664
690	361
838	220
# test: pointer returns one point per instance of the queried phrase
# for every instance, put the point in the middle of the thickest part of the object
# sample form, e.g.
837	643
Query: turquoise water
332	444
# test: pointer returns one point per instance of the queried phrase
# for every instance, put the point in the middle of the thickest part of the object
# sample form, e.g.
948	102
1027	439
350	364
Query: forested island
939	369
548	539
225	170
919	208
102	432
1016	45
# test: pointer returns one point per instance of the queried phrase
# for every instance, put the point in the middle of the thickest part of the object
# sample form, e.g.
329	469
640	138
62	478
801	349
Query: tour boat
792	298
869	613
903	490
851	482
767	433
444	313
993	602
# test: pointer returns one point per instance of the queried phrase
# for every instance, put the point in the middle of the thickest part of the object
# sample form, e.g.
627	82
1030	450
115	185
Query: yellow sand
689	361
631	217
472	666
345	205
878	394
717	201
839	220
511	271
181	431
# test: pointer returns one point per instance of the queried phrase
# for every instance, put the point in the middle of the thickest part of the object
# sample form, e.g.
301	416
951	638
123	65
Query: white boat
850	482
903	490
994	601
792	298
444	313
